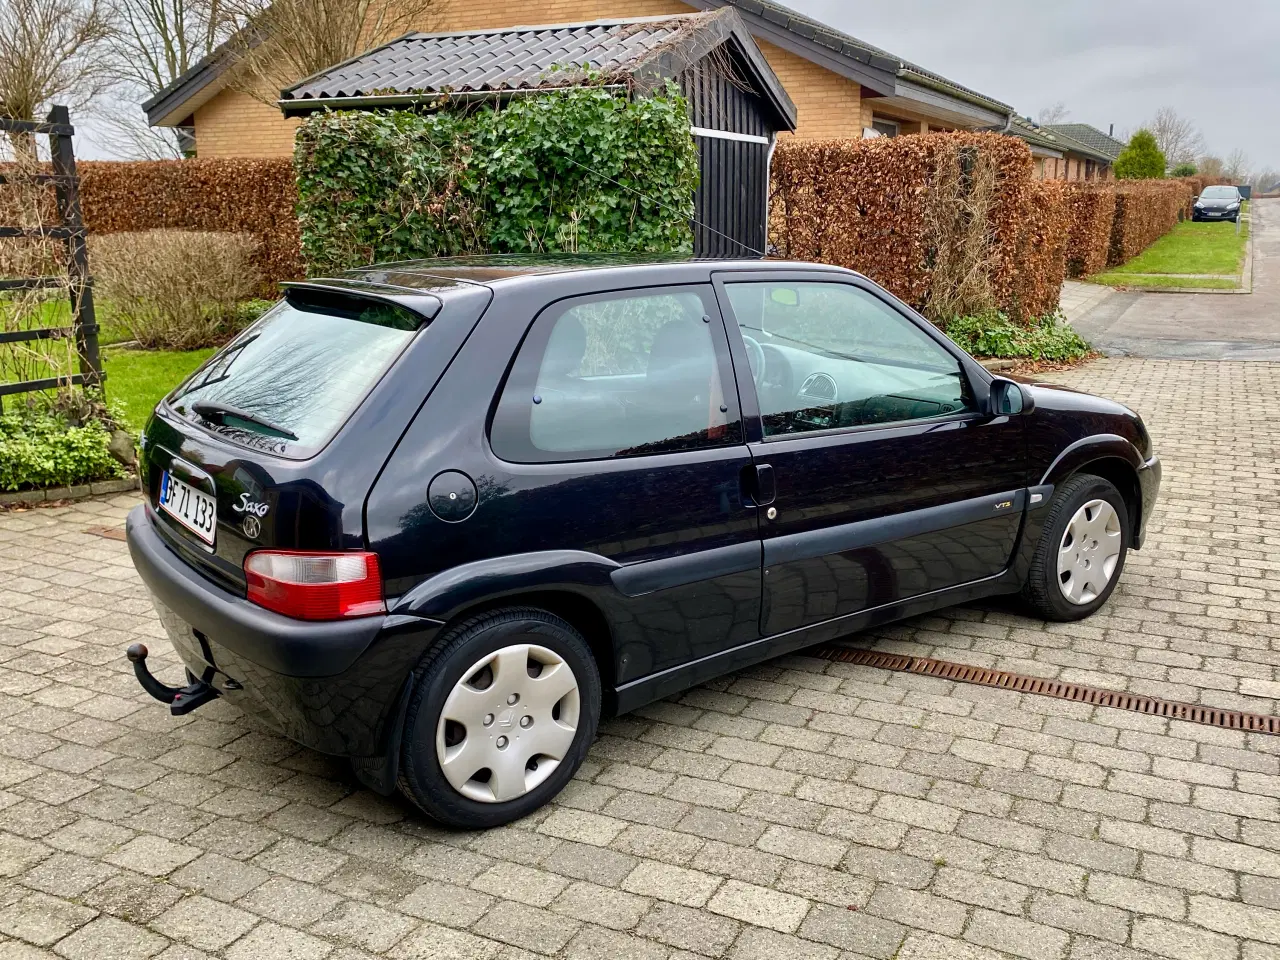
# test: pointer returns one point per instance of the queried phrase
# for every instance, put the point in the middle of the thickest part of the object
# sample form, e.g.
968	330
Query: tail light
315	586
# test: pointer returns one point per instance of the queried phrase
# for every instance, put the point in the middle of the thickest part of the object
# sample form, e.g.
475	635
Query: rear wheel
1081	551
501	718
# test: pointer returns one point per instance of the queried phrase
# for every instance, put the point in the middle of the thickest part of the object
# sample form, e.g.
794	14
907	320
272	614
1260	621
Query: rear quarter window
618	375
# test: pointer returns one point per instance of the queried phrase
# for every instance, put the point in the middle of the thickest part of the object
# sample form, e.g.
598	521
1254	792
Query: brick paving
802	809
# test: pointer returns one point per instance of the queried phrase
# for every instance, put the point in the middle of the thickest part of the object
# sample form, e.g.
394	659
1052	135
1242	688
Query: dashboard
802	390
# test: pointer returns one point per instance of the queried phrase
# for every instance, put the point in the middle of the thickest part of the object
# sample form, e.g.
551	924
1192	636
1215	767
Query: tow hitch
181	700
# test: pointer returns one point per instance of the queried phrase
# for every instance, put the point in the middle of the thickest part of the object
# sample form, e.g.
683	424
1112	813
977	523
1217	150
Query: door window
830	355
620	375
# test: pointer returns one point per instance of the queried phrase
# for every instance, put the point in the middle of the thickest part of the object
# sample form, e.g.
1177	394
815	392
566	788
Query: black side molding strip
664	683
638	579
866	533
1039	497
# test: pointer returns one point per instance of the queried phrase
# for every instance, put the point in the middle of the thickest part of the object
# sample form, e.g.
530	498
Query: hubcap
1089	552
508	723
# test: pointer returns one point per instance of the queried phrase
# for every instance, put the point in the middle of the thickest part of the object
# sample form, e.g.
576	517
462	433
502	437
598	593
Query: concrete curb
79	492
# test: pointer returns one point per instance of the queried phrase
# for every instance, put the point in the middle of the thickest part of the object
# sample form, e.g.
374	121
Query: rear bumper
330	686
1149	485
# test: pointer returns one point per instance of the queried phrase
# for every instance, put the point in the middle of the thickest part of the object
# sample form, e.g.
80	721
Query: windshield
287	383
1218	193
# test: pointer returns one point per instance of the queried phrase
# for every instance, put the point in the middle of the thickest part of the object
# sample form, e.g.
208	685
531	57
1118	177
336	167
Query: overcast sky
1110	61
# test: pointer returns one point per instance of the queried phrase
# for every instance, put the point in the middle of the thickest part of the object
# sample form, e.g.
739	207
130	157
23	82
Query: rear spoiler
355	295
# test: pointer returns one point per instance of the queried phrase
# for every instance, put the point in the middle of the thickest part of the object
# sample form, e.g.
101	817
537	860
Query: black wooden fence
70	229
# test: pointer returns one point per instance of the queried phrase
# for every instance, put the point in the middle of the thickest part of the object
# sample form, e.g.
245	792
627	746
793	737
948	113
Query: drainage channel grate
1116	699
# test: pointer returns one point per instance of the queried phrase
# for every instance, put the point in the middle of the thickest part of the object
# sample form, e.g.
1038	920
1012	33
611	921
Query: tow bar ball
181	700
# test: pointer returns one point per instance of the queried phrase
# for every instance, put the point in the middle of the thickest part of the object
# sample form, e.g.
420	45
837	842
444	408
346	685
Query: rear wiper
218	413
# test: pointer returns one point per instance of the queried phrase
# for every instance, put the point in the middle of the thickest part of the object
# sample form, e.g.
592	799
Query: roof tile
509	59
1089	136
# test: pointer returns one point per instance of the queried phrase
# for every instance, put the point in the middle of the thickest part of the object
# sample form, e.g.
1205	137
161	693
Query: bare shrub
275	43
957	219
175	289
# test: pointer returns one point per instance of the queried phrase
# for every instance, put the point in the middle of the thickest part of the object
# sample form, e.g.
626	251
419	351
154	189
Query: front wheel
1081	551
501	718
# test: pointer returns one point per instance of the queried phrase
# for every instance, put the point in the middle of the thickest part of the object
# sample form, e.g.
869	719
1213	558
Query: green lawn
138	379
1191	248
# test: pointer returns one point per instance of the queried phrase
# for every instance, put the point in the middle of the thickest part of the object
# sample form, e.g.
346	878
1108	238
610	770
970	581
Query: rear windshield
1218	193
287	383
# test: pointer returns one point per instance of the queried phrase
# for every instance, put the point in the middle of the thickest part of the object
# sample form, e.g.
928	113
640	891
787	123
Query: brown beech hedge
1091	210
1145	211
871	205
1042	252
225	195
952	223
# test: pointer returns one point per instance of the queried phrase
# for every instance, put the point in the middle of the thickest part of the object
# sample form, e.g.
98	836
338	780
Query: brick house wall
234	124
1069	168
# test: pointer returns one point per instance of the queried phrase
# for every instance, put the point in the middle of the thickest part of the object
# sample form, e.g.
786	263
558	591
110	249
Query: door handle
758	484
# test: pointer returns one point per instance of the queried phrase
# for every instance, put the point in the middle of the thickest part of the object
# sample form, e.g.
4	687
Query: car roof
437	275
424	286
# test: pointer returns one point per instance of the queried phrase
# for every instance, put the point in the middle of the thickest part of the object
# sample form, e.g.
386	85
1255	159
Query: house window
885	128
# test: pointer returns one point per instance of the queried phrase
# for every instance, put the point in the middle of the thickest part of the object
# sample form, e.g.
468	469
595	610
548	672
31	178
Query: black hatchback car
440	517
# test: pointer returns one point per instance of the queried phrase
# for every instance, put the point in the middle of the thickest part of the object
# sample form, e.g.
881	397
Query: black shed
737	103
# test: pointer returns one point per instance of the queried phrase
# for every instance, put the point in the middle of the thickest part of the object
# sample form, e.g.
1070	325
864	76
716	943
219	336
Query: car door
882	478
615	433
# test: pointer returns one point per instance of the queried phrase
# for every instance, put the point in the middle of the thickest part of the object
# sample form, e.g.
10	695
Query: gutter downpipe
768	188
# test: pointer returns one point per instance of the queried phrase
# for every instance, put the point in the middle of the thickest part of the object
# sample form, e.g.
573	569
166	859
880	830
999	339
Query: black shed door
732	129
731	203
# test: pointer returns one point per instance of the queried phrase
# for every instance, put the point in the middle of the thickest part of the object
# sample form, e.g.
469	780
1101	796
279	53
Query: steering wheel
755	357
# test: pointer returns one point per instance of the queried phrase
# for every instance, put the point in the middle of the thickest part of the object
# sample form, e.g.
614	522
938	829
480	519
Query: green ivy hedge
1041	338
584	169
39	449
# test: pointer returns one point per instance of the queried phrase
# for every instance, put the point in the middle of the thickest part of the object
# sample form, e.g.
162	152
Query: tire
1048	585
492	731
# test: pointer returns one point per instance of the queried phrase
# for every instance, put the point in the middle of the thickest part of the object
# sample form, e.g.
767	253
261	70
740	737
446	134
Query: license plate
194	510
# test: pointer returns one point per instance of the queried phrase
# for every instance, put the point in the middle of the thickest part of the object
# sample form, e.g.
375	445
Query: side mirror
1007	399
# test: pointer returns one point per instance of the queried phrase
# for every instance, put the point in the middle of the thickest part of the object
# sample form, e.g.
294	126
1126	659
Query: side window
619	375
829	355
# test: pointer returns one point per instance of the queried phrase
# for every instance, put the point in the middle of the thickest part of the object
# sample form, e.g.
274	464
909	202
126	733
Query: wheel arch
1124	477
1111	457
